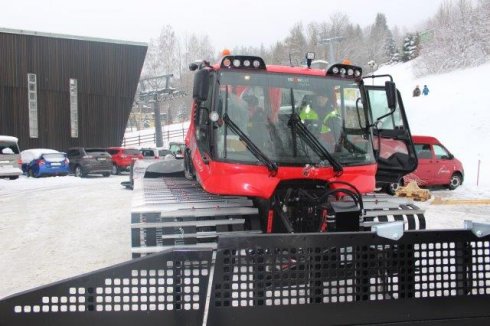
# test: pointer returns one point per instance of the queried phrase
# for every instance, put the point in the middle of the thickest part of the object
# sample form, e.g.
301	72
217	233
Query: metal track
382	208
168	212
172	211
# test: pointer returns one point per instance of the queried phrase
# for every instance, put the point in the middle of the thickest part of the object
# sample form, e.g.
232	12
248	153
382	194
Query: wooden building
60	91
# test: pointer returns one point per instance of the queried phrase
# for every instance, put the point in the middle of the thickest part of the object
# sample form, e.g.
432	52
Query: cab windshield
263	104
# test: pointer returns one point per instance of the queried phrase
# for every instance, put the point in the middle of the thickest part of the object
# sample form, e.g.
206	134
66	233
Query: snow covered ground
54	228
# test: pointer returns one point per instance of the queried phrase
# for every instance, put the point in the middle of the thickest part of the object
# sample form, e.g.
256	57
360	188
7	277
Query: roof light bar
346	71
242	62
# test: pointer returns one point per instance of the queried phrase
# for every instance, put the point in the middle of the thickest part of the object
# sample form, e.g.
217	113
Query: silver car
10	163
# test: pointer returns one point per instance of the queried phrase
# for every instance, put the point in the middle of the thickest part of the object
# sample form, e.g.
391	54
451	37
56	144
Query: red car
122	158
437	166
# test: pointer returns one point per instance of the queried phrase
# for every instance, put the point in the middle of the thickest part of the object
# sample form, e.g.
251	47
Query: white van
10	163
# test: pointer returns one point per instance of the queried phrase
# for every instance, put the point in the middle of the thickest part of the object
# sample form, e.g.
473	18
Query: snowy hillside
456	111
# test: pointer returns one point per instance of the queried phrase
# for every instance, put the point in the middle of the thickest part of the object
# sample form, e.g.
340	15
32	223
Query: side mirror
450	156
390	89
201	85
7	150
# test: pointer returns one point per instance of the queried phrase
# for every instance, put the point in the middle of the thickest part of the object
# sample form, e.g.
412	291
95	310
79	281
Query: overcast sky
227	22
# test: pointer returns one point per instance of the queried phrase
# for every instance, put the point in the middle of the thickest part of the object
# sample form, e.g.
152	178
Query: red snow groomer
303	144
275	221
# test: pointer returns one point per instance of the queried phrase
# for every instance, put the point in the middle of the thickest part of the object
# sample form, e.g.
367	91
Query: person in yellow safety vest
315	110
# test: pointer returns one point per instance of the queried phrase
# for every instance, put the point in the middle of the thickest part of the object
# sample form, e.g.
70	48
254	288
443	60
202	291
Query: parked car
10	163
84	161
154	153
437	166
39	162
122	158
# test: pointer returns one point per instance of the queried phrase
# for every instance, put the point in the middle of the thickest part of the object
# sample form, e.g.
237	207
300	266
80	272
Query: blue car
44	162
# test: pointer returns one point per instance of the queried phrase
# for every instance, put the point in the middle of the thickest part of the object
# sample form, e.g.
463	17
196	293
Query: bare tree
313	38
195	47
279	54
483	11
295	44
457	39
379	40
162	54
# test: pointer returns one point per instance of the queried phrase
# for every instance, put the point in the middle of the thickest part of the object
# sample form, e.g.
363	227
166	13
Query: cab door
392	142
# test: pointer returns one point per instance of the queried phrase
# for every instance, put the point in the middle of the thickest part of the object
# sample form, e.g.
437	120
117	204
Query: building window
74	108
32	105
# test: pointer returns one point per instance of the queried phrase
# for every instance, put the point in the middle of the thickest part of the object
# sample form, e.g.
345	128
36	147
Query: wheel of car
15	177
455	181
78	172
30	173
107	174
115	169
393	187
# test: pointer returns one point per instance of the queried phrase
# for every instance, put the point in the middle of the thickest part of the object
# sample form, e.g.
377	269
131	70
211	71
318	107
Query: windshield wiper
271	165
293	128
312	141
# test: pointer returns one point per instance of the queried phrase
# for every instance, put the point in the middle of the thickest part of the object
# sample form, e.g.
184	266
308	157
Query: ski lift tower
331	41
153	90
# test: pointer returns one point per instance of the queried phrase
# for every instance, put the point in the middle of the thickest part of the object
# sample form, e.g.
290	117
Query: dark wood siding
107	75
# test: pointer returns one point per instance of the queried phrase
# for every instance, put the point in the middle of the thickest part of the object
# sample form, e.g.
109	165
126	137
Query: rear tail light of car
67	161
19	162
40	162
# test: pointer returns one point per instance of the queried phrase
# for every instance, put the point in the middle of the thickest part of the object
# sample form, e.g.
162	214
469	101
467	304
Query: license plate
6	166
101	159
55	164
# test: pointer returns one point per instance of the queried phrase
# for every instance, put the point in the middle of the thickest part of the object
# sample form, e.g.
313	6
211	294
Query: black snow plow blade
426	277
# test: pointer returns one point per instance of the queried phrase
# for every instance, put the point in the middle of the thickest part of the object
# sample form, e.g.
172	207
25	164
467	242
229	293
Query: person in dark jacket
425	91
416	91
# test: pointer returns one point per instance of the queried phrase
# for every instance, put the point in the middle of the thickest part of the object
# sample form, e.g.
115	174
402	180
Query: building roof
70	37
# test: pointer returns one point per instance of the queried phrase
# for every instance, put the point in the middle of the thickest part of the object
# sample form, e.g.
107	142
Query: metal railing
167	135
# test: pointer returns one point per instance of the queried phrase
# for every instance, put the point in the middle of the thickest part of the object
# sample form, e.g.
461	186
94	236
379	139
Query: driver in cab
320	116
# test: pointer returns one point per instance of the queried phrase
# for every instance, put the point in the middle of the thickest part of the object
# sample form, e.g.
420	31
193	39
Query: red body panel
256	181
